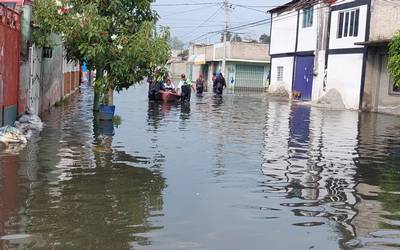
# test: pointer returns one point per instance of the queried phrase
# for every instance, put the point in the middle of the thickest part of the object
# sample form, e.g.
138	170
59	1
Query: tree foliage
236	38
228	36
117	37
264	38
184	53
394	59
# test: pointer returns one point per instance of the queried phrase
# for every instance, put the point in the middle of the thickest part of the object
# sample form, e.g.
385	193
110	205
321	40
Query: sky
192	20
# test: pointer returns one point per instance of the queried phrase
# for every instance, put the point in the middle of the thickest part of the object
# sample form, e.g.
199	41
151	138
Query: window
308	17
279	75
348	23
393	89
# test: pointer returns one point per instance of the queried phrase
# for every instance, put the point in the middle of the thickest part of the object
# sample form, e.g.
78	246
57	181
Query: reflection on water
241	172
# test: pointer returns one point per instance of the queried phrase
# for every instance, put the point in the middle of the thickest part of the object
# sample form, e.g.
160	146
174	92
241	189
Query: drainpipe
321	44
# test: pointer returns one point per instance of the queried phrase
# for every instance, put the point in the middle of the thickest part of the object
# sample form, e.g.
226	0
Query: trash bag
29	122
10	134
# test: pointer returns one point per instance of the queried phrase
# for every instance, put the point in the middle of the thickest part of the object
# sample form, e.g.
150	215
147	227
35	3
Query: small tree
236	38
264	38
118	38
184	53
394	58
228	36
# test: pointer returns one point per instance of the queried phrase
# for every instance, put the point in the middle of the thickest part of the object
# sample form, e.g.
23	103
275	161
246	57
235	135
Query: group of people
185	86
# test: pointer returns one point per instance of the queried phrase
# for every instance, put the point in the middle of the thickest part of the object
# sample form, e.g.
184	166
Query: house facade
247	64
380	94
318	46
43	75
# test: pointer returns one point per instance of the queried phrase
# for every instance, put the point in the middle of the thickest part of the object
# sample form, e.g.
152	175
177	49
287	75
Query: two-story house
318	46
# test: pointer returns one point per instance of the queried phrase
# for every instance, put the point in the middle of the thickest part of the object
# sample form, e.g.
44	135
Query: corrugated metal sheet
9	63
250	77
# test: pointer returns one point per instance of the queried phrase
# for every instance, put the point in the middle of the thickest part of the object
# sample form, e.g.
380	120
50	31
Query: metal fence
9	64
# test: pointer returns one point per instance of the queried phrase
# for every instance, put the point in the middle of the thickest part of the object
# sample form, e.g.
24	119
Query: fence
9	64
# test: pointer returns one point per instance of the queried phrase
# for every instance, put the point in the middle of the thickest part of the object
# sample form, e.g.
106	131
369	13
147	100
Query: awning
197	59
374	43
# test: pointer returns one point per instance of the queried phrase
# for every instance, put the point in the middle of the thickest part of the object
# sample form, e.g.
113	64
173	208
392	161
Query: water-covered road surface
244	172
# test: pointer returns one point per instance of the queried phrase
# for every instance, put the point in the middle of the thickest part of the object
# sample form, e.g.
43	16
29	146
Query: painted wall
344	74
347	42
385	19
249	51
286	83
378	94
283	32
307	39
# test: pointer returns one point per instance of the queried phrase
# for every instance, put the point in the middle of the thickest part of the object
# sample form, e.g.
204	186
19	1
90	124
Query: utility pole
225	37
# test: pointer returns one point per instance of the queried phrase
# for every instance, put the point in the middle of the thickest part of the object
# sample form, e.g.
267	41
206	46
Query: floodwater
244	172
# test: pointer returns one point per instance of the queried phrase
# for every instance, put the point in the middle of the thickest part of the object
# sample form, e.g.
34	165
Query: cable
205	21
184	4
265	21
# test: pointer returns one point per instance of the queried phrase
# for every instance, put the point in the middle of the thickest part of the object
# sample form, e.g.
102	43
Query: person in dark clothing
154	89
220	84
185	87
200	85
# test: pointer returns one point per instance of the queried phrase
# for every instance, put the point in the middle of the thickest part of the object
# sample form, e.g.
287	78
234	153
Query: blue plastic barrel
106	112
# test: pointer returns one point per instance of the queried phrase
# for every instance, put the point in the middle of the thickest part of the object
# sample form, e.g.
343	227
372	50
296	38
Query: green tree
236	38
228	36
394	58
264	38
118	38
184	53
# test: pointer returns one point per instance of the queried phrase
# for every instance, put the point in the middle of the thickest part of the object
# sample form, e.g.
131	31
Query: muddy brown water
244	172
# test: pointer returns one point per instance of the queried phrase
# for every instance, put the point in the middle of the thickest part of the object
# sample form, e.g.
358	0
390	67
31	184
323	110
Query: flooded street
244	172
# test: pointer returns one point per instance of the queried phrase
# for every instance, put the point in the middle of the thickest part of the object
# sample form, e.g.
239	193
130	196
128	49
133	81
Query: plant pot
106	112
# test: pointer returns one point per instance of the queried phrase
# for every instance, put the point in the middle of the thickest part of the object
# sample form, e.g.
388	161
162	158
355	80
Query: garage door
249	77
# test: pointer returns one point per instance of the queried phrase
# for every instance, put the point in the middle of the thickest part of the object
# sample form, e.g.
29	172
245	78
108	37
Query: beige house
247	64
380	95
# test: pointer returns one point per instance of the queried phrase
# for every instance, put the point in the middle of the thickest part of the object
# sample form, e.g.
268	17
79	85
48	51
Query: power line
184	4
205	21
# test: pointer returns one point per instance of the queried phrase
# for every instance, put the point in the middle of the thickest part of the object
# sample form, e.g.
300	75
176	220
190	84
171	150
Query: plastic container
106	112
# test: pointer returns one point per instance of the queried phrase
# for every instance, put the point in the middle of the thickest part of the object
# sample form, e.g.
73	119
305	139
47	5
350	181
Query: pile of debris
22	130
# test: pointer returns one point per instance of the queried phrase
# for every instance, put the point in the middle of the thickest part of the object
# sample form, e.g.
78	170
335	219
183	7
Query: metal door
249	77
304	77
34	79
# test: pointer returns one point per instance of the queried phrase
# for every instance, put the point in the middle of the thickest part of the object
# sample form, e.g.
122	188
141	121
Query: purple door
304	77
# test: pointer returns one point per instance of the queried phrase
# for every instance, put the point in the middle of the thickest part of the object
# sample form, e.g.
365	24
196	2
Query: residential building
380	94
247	64
43	76
318	46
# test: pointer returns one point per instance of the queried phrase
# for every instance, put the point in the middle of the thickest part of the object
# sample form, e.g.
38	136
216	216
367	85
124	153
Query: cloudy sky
193	20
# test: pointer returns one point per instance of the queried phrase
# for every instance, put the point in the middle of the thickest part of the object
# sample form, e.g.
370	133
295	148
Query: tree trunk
97	94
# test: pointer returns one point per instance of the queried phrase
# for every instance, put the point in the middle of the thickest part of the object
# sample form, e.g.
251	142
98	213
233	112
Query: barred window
348	23
279	75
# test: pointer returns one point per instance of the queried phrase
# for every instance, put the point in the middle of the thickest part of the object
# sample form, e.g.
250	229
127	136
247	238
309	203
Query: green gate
250	77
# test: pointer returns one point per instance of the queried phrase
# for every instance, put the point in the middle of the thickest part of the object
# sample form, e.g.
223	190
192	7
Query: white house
315	48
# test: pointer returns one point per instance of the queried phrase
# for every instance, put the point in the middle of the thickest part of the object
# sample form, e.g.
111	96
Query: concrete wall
347	42
51	87
307	39
249	51
176	69
283	32
385	19
378	94
286	83
344	74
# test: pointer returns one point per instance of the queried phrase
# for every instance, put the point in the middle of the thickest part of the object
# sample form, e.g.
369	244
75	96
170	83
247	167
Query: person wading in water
200	85
185	88
220	84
